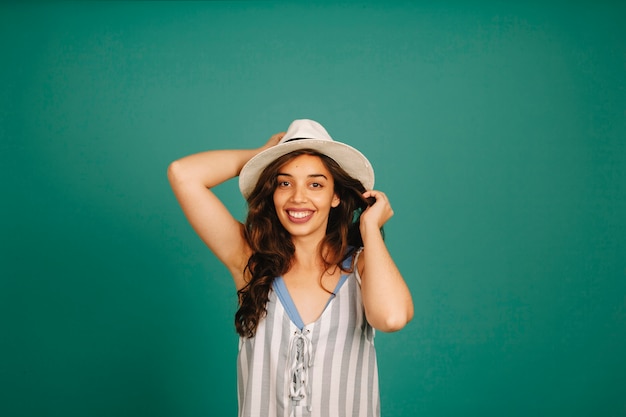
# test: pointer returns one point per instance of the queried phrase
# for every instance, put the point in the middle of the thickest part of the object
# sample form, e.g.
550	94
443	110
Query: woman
312	271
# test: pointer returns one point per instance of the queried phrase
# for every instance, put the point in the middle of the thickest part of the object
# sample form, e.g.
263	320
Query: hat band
292	139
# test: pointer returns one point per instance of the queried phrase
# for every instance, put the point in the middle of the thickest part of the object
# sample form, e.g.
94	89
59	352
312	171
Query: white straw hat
308	134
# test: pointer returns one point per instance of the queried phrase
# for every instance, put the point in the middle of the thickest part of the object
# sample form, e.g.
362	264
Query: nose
299	194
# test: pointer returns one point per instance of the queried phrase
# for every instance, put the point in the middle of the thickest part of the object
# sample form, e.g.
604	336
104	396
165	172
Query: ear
336	201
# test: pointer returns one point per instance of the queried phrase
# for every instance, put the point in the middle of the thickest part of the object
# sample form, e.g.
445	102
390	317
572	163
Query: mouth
299	216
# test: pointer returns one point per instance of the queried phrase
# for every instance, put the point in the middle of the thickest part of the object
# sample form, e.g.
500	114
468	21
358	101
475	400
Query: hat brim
349	158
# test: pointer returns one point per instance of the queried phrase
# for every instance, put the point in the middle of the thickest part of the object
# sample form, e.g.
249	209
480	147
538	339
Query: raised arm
386	297
192	178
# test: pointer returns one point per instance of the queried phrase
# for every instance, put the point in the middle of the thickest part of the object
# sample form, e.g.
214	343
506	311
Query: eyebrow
308	176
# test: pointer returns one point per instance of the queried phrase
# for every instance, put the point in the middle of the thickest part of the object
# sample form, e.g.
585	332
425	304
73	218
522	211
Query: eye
283	184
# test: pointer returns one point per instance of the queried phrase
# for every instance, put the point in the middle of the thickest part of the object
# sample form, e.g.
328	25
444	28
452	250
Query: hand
273	141
378	213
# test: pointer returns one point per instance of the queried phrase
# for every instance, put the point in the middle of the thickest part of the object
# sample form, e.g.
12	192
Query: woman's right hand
273	141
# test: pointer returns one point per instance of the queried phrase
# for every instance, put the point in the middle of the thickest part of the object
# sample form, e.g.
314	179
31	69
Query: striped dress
324	369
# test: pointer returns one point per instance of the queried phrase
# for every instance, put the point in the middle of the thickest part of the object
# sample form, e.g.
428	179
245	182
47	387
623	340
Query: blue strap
285	299
287	302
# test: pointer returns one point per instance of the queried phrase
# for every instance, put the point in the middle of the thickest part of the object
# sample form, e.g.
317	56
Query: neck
307	253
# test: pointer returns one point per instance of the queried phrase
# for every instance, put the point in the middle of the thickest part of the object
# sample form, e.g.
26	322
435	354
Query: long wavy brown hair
272	247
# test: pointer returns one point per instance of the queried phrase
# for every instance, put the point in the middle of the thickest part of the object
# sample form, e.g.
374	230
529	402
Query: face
304	196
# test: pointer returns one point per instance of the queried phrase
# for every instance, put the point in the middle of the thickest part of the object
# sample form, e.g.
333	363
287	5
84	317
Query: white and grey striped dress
324	369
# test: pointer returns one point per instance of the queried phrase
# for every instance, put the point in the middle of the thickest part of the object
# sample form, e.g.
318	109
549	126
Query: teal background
497	130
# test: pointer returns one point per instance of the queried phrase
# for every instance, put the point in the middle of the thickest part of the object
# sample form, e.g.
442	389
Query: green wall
497	130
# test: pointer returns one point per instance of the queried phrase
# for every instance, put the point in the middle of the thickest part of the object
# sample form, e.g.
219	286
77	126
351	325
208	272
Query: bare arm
192	178
386	297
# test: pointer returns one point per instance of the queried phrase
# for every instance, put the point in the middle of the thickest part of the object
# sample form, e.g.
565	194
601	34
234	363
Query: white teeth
299	214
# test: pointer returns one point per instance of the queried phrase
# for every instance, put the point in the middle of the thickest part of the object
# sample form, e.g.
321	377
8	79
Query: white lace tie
301	361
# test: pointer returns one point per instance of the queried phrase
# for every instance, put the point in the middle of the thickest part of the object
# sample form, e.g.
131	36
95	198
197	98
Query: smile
299	215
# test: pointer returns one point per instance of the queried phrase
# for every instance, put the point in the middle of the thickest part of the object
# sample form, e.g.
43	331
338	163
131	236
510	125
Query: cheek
328	201
279	200
276	198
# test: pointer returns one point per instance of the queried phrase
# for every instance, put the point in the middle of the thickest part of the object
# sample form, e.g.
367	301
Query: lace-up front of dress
298	372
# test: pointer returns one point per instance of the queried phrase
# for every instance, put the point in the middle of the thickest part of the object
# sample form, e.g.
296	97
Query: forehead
306	165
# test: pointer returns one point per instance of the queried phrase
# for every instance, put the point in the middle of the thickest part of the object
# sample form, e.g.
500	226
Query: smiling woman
304	197
312	271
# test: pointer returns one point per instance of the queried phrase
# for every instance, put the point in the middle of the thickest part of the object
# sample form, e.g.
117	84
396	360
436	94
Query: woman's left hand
378	213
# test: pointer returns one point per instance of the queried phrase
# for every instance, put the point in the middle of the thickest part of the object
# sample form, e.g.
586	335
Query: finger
375	194
369	198
275	139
